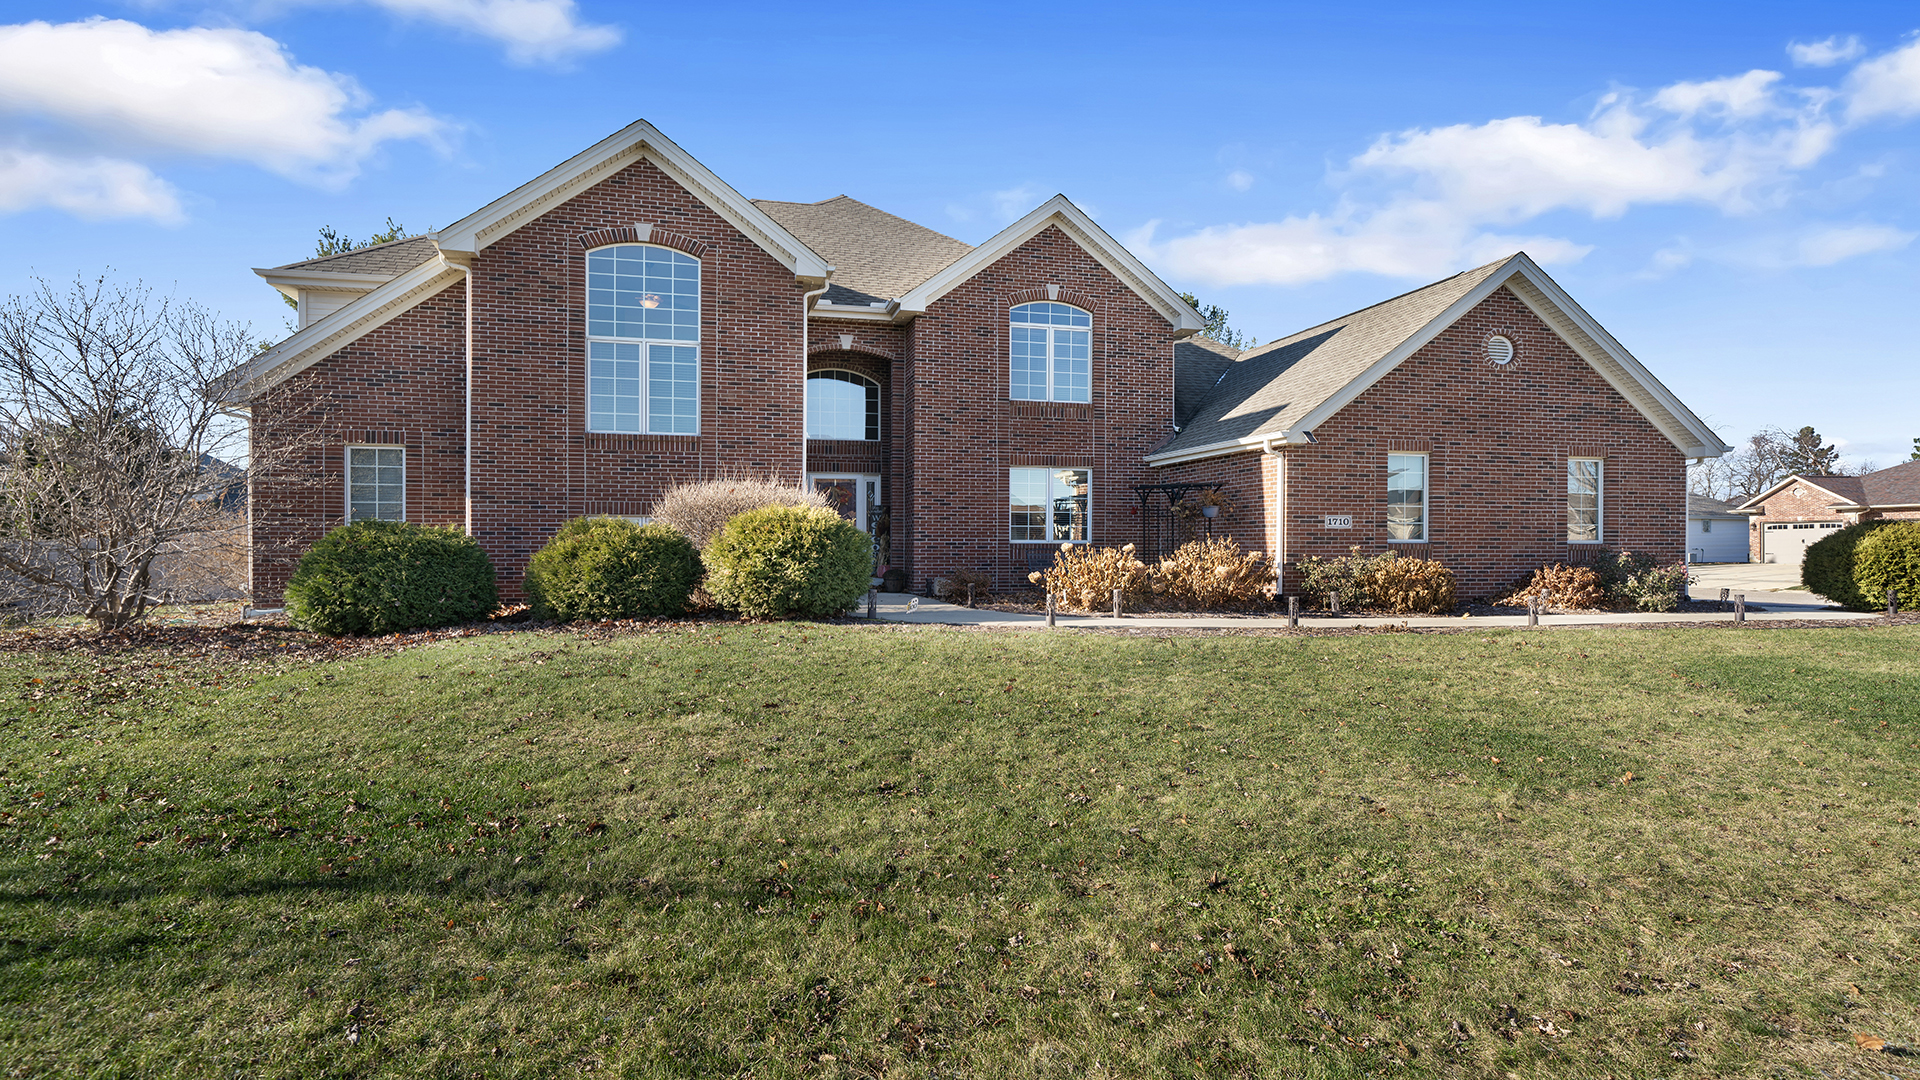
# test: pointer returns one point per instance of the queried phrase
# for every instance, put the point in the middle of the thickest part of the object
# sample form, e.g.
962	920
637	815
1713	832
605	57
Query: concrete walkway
905	608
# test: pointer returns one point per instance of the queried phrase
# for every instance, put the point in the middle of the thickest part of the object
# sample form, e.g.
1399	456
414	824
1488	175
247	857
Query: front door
854	495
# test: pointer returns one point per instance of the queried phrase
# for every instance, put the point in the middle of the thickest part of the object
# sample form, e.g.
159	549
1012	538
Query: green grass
793	850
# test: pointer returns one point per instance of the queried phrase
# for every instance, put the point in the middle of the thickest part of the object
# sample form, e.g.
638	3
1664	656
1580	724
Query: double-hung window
1584	480
376	483
1407	498
643	340
1049	506
1052	353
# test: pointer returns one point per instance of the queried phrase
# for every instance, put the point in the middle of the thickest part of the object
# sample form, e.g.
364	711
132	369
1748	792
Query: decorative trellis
1162	529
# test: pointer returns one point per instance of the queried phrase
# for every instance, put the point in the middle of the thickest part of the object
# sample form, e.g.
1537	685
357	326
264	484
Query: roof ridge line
1259	349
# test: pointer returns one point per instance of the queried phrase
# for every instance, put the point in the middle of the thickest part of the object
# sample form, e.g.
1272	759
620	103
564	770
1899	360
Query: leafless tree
115	449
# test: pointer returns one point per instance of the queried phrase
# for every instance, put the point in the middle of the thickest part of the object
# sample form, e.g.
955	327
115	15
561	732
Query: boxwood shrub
611	568
1889	558
1827	569
781	561
380	577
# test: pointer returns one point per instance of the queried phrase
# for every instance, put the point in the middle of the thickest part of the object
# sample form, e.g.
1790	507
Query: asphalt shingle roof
876	256
1701	506
1273	386
1896	486
393	258
1198	364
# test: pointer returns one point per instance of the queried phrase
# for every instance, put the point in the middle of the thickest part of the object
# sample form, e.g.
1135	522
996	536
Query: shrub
1082	578
1889	558
1411	586
1568	588
1345	576
1828	569
1638	581
610	568
1207	574
378	577
781	561
699	510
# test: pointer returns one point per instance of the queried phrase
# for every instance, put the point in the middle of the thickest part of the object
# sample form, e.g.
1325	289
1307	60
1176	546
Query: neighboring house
1802	509
1484	421
1715	533
627	321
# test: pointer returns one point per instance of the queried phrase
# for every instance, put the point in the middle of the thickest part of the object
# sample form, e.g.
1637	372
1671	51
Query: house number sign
1339	521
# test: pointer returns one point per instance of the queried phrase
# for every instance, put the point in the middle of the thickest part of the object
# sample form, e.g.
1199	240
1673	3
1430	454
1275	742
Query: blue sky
1729	187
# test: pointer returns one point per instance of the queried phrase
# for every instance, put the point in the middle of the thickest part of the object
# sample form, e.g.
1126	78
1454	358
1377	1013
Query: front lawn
798	850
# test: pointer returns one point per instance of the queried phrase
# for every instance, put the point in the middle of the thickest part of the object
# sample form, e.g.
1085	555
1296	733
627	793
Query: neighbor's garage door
1787	541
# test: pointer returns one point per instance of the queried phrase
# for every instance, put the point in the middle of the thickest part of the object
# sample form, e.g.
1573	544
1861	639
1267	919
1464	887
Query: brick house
1800	510
627	320
1484	421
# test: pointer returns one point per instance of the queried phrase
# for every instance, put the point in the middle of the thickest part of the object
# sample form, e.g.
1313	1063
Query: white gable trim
1069	219
318	340
290	282
635	142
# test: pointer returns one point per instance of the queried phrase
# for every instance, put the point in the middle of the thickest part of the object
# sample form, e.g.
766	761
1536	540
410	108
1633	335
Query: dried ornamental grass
700	509
1208	574
1411	586
1083	578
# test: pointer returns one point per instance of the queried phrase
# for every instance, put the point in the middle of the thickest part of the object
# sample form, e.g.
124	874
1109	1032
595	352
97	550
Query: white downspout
806	306
467	412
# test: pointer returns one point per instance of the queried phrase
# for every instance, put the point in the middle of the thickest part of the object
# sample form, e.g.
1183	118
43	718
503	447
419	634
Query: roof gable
876	256
1279	392
1059	213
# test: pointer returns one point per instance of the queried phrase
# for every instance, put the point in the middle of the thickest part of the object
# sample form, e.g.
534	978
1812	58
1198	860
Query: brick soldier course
387	342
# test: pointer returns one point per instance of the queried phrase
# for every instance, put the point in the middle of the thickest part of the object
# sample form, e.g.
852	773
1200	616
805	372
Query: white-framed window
1407	498
376	483
1585	499
842	405
1052	353
643	340
1049	506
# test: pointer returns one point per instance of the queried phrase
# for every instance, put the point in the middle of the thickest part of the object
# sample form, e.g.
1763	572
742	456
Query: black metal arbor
1160	521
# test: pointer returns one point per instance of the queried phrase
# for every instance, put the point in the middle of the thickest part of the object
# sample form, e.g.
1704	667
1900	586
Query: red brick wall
1800	502
963	431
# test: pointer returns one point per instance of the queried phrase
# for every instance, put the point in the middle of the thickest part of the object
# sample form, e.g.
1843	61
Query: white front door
853	494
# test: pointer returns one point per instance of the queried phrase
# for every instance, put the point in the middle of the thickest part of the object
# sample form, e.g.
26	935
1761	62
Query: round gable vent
1499	350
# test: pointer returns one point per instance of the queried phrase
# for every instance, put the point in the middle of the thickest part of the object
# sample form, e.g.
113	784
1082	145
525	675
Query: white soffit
637	141
1068	218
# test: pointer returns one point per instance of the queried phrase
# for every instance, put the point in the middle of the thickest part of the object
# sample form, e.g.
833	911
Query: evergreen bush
380	577
610	568
1828	567
1889	558
781	561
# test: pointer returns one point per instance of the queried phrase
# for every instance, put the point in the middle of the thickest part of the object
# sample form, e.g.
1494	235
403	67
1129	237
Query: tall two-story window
643	340
1052	353
1584	477
1407	497
376	483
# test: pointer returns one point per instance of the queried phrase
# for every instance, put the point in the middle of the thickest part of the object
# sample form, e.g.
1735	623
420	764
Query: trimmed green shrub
1639	581
1827	569
1889	558
781	561
380	577
611	568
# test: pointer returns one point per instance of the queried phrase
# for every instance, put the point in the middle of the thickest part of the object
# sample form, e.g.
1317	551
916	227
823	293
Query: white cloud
1739	96
1827	246
1013	203
534	31
91	188
222	93
1240	180
1826	53
1887	85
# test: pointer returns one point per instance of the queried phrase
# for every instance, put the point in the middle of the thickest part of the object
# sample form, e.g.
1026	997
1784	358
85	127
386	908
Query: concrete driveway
1775	585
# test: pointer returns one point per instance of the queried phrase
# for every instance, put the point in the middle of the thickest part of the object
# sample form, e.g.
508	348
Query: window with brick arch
1052	353
842	405
643	340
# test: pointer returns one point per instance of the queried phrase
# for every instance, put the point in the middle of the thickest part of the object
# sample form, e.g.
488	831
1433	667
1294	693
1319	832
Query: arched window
842	405
643	340
1052	344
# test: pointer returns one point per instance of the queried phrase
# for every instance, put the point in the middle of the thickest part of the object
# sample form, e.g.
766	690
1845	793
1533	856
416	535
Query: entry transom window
376	483
1049	505
1052	351
1407	497
1584	479
643	340
842	405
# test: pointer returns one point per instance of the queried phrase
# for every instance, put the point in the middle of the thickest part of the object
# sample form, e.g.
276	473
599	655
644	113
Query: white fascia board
320	339
851	313
1092	238
637	140
1221	449
1706	442
290	282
